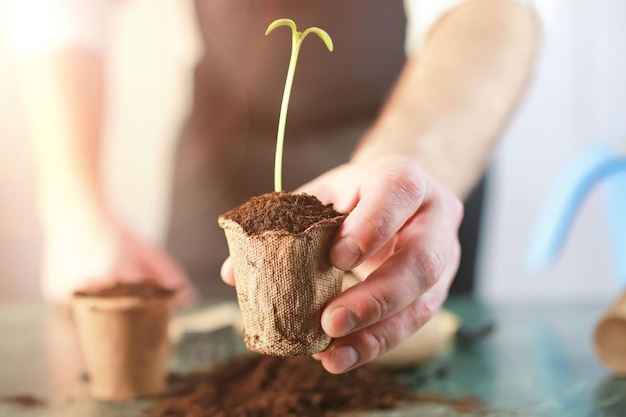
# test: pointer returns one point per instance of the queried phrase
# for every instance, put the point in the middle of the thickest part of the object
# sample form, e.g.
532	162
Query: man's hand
401	239
89	250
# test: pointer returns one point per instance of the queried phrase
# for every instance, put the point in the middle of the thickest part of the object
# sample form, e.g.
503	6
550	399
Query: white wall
577	98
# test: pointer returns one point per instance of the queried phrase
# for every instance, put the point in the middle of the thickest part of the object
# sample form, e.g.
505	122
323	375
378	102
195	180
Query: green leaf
324	36
281	22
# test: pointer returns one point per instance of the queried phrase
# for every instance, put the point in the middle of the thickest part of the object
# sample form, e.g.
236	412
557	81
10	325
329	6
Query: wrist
71	207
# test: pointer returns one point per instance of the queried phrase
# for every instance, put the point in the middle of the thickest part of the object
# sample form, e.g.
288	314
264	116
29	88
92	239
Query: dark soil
293	213
144	289
267	386
23	400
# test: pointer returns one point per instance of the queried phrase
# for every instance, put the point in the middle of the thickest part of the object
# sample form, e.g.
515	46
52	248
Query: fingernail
344	357
346	253
341	321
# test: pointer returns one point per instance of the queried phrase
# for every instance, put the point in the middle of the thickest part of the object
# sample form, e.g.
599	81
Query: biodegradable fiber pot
610	337
284	277
124	342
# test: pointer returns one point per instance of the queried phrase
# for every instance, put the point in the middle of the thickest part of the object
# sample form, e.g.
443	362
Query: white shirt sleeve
45	25
422	16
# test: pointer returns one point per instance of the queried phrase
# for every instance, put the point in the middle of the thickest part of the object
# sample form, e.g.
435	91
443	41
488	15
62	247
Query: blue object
601	163
615	194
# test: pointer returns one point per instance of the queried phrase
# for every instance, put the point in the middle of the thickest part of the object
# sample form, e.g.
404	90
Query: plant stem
296	41
280	137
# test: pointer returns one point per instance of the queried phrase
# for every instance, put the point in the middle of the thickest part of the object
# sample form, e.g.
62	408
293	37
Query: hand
86	250
401	239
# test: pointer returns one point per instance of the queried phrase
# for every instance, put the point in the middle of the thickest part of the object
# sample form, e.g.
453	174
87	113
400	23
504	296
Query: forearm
63	97
454	98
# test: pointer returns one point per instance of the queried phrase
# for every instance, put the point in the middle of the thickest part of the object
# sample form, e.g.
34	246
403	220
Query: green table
537	361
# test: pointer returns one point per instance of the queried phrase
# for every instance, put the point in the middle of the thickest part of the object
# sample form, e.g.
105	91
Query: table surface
537	361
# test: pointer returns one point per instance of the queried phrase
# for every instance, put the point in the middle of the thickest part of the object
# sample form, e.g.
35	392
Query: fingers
103	254
357	348
227	272
170	275
349	352
63	275
403	287
391	195
425	249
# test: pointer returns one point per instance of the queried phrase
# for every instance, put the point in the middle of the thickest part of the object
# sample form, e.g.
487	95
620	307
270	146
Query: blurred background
18	232
151	51
577	97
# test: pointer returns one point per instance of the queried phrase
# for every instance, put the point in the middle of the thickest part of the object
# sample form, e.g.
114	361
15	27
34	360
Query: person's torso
329	88
226	151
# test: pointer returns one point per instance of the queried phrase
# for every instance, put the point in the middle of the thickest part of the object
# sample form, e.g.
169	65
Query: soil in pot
266	386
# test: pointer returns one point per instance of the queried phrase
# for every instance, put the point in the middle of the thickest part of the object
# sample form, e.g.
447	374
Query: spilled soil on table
267	386
23	400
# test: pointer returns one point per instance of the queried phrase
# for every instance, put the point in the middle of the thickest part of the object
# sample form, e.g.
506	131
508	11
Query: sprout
296	41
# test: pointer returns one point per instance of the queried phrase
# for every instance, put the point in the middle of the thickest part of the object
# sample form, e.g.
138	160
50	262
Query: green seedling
296	41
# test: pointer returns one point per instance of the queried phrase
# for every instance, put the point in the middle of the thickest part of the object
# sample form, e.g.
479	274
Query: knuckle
429	268
378	340
379	307
410	187
425	310
379	226
421	312
377	343
407	183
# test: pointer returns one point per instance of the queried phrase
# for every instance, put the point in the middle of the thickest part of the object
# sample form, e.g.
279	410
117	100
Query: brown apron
226	152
